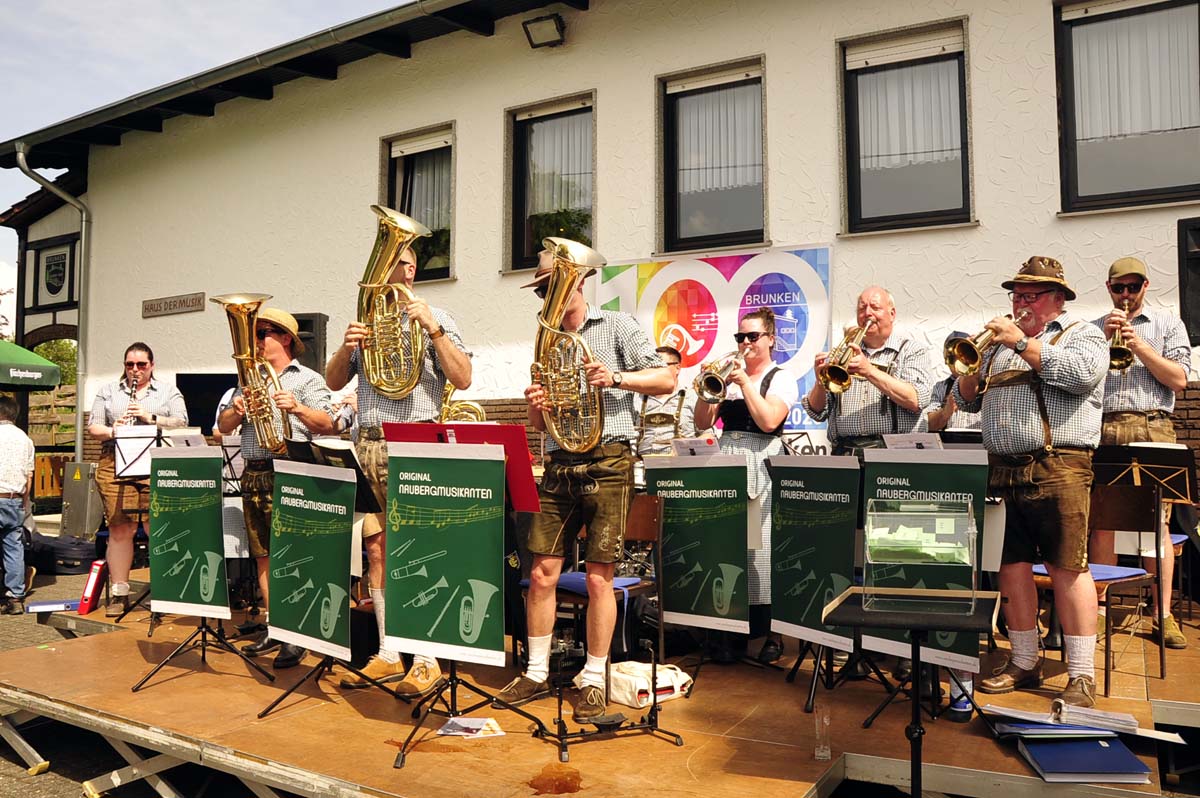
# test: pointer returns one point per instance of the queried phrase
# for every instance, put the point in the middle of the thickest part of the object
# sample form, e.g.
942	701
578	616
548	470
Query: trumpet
472	610
963	355
687	578
723	588
1120	357
299	593
177	568
833	374
712	382
427	595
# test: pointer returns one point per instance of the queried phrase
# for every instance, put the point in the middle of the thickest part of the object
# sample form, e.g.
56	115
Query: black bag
61	555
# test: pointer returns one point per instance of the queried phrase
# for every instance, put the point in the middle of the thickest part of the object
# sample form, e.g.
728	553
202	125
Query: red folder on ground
92	588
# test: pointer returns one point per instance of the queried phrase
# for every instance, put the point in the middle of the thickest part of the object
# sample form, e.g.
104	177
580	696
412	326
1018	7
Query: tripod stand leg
222	642
400	757
130	605
804	649
818	667
316	673
178	650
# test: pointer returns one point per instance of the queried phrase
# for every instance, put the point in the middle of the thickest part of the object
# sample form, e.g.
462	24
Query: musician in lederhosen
665	417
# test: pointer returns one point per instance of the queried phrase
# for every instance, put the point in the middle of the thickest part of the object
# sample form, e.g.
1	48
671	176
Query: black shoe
289	656
13	606
263	645
722	654
902	670
250	627
856	668
771	651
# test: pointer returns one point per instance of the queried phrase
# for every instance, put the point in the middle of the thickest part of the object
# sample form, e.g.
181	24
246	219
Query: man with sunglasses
446	359
1039	393
665	417
138	398
304	396
1138	401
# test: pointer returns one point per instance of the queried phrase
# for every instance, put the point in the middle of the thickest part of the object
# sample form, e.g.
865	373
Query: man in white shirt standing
16	485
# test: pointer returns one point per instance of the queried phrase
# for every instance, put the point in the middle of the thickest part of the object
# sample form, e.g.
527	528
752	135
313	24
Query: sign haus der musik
170	305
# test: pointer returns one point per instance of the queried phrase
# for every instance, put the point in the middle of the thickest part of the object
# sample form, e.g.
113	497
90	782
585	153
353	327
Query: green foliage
62	351
433	252
572	223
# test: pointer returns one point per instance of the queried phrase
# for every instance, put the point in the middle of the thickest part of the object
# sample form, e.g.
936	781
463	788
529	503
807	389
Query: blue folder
1084	761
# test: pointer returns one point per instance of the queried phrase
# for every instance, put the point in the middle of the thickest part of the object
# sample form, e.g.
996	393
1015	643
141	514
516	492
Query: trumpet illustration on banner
792	561
798	588
291	569
179	565
209	571
677	557
170	544
472	611
427	595
723	587
405	571
331	608
299	593
686	579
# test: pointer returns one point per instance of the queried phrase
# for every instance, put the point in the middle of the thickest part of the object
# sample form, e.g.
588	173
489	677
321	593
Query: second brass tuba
392	353
256	377
575	418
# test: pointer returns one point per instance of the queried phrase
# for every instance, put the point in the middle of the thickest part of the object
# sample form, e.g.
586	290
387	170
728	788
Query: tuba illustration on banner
472	610
210	569
575	414
723	587
392	353
331	608
256	377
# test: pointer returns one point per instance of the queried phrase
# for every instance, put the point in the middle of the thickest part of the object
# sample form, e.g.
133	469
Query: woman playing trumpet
759	395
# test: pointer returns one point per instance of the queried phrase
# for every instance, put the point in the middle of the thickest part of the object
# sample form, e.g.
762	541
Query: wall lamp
545	31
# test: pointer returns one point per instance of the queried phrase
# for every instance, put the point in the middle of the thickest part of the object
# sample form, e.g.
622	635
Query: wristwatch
1021	345
617	378
438	333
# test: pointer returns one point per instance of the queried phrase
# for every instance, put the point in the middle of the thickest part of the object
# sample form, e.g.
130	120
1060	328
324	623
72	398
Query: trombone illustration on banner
723	587
792	561
686	579
177	568
472	611
170	544
677	557
405	571
297	595
209	571
283	571
428	594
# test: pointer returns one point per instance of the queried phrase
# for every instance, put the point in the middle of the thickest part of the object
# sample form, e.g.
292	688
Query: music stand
133	443
231	470
327	451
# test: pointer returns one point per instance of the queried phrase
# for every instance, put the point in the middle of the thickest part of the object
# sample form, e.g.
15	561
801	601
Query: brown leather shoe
1080	692
1011	678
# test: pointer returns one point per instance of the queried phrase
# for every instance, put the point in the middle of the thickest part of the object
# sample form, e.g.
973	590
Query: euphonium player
592	488
1138	402
305	398
446	358
138	398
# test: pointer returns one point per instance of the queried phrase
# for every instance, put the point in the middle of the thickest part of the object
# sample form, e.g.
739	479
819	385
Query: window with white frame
713	159
552	172
907	161
1129	83
420	185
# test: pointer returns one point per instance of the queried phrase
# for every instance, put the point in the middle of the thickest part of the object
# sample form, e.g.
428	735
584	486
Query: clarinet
131	393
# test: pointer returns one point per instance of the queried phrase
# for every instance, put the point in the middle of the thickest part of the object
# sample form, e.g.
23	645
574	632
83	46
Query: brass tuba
392	360
1120	356
575	418
460	410
472	610
713	380
833	374
723	587
963	355
256	376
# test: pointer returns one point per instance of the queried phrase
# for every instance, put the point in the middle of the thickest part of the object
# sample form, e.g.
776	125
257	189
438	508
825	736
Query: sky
61	58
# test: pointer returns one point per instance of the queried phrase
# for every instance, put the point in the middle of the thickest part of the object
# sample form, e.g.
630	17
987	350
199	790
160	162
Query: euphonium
460	410
331	608
472	610
723	587
963	355
257	388
392	360
575	414
1120	357
713	380
833	374
210	569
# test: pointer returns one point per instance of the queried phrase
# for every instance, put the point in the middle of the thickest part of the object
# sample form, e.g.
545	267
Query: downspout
85	259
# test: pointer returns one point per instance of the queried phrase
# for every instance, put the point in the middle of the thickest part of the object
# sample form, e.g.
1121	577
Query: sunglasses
540	292
1028	299
752	337
1126	288
137	364
262	332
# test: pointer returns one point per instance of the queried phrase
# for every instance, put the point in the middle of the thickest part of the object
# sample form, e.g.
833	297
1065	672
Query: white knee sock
1024	648
539	659
120	588
593	671
377	602
1081	655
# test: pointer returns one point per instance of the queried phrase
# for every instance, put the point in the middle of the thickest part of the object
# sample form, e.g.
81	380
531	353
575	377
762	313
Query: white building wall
272	196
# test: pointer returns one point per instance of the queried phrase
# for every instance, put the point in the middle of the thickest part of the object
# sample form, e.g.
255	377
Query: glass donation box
920	557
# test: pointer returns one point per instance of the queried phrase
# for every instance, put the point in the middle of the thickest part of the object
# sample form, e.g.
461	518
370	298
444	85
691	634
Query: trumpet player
1039	391
890	381
592	488
305	398
1138	401
446	359
138	398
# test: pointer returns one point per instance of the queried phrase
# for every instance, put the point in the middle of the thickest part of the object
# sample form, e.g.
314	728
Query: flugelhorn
472	610
833	374
712	382
723	587
1120	357
963	355
392	356
574	414
256	376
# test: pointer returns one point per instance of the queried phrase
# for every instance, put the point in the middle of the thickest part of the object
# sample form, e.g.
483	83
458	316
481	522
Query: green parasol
21	369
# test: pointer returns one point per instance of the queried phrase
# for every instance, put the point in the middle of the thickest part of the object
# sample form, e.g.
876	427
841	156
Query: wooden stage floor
744	730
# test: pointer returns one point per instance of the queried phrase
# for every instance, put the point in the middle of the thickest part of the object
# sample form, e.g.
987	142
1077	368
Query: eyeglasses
262	332
1028	299
674	365
137	364
752	337
1126	288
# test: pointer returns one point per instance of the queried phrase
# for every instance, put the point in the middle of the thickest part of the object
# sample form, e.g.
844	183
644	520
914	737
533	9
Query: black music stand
847	610
219	641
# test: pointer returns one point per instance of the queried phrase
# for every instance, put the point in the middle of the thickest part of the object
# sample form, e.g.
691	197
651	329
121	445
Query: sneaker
522	690
116	606
1171	635
1080	692
591	704
13	606
959	710
377	669
420	681
1011	678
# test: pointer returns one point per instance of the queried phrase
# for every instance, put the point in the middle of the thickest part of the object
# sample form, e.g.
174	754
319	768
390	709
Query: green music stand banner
310	547
444	573
705	583
928	475
186	539
814	512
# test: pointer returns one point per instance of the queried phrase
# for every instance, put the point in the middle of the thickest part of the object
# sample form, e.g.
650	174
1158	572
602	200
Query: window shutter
906	47
703	81
1096	8
422	143
551	109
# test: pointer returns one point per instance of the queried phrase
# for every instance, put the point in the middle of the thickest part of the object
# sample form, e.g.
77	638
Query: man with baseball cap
1139	399
304	396
1039	392
942	412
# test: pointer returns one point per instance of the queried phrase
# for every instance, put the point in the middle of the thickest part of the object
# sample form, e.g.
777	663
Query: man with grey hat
303	396
593	488
1039	392
1139	399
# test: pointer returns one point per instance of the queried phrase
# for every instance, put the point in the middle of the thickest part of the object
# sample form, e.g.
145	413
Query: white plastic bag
629	683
